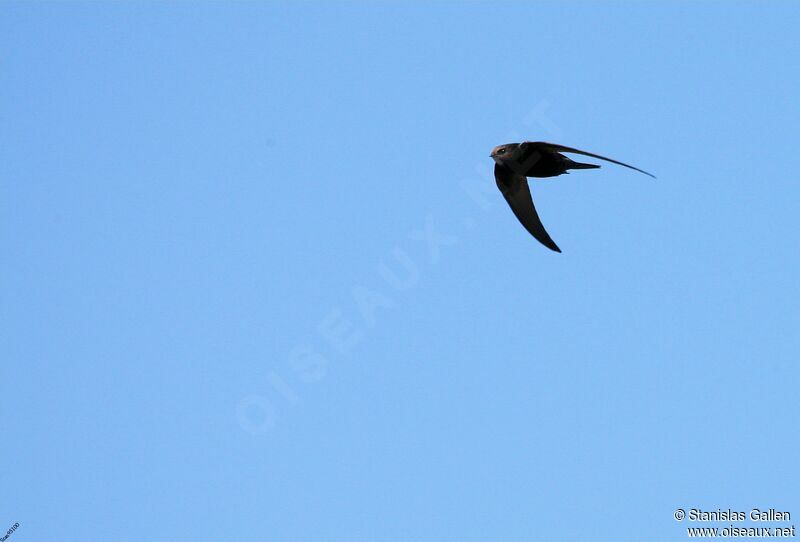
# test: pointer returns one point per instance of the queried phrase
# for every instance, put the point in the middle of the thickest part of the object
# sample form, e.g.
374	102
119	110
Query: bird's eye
501	151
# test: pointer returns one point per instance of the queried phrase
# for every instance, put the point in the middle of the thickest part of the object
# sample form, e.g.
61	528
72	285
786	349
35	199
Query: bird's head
501	153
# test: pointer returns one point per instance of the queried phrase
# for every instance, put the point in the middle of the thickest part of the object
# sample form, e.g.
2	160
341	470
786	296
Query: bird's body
527	160
514	162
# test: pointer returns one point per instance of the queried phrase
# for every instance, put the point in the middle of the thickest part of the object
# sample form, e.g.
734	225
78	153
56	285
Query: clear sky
258	284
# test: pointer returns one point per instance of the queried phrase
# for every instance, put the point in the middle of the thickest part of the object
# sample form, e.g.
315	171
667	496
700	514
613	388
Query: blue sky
258	283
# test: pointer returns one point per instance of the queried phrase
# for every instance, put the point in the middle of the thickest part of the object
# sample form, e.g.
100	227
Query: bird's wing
542	146
518	195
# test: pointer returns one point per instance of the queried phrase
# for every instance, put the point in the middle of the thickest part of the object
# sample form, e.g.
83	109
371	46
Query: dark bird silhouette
516	161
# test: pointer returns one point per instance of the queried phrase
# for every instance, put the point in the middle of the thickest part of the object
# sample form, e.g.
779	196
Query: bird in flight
514	162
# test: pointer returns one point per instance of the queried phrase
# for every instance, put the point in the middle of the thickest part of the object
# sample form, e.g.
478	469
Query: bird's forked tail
579	165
